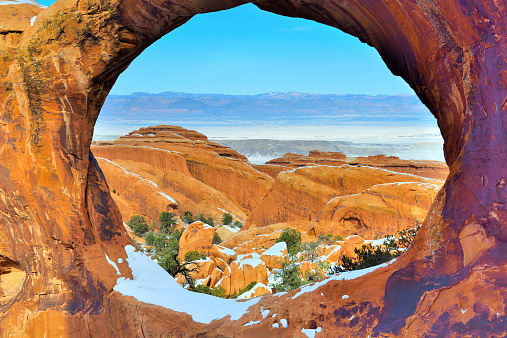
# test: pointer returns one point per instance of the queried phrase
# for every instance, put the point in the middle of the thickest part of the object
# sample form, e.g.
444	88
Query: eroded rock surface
58	220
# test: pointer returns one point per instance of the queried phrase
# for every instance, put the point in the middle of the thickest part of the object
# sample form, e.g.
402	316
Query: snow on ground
250	323
349	237
153	285
284	323
342	276
226	251
231	229
139	177
276	250
254	261
167	196
326	257
227	212
378	242
311	332
113	264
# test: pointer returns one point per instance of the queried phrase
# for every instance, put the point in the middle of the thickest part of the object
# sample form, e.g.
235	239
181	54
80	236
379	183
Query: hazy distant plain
358	125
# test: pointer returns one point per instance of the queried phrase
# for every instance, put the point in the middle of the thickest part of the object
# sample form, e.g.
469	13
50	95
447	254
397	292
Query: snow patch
254	261
284	323
463	311
226	251
336	249
32	20
153	285
167	196
311	332
345	296
120	260
231	229
265	313
378	242
275	325
276	250
113	264
140	178
250	323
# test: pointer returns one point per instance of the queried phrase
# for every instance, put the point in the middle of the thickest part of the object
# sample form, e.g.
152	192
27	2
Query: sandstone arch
57	219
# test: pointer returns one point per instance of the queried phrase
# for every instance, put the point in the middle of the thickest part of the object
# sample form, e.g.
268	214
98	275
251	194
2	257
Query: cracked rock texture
58	219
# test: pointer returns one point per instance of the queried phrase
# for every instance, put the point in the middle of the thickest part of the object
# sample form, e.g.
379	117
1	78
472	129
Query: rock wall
58	219
303	194
213	168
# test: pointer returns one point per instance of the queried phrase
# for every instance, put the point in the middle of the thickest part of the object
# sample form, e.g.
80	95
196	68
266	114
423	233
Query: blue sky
248	51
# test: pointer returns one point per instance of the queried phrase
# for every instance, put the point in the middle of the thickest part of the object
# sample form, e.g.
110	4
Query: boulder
197	237
246	269
273	257
216	275
223	253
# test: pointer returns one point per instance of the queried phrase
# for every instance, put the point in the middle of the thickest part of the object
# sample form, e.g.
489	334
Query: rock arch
57	219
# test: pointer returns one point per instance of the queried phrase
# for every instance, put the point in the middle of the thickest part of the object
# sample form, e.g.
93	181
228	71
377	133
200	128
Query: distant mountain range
286	108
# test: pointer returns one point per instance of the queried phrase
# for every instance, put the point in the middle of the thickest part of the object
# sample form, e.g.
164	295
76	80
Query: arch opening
244	51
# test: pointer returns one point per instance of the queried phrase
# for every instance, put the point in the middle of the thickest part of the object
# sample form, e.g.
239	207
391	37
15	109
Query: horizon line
264	93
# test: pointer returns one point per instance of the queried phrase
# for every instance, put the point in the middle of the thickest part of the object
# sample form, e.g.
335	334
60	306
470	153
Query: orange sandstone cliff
193	174
61	231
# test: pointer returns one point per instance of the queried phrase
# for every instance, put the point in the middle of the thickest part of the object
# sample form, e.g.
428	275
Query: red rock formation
58	219
215	167
381	210
303	193
430	169
197	237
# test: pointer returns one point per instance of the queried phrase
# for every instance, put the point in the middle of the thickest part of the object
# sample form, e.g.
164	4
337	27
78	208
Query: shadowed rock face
58	219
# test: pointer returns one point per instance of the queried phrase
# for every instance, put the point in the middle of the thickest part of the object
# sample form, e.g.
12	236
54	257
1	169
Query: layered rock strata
61	227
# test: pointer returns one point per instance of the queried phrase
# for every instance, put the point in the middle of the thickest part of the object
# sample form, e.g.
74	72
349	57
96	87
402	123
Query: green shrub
289	275
406	237
217	239
160	241
217	291
367	257
149	238
328	239
193	255
248	287
138	225
309	250
292	238
238	224
226	219
188	217
166	221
